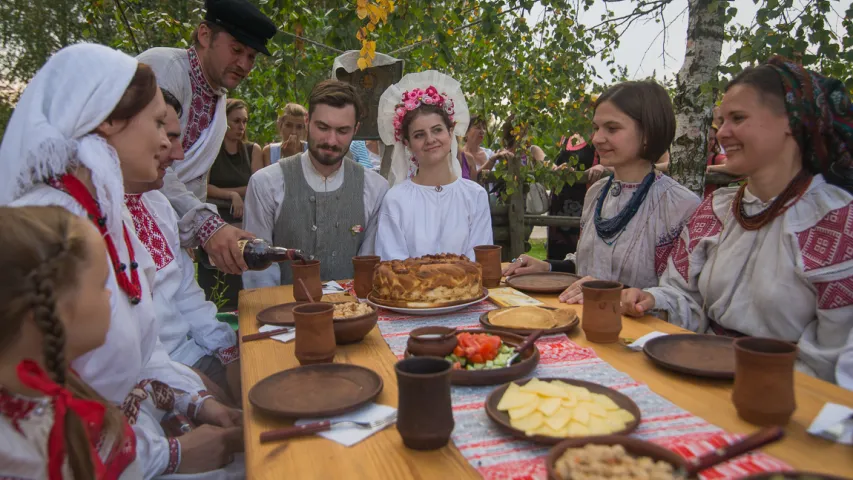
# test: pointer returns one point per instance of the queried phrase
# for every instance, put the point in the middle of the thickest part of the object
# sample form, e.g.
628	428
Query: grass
537	249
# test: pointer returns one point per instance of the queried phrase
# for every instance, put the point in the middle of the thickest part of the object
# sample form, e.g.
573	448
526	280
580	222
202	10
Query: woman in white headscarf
430	209
90	119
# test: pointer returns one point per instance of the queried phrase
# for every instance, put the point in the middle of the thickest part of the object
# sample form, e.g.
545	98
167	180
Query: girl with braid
91	120
55	307
774	257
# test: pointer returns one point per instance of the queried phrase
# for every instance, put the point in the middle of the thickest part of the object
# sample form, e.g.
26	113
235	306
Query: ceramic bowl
432	341
633	446
354	329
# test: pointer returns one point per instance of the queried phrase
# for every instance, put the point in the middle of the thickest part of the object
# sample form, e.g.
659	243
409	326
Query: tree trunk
693	104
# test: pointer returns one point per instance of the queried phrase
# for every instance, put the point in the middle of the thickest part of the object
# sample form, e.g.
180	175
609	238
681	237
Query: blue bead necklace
611	229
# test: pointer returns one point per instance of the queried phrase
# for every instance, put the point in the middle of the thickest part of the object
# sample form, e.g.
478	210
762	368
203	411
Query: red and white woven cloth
497	455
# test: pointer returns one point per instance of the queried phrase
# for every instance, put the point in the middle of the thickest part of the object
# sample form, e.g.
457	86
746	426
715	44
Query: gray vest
321	223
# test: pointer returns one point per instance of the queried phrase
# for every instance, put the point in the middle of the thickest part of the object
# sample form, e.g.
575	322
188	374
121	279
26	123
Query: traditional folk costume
49	135
417	220
631	249
204	121
189	329
782	269
329	218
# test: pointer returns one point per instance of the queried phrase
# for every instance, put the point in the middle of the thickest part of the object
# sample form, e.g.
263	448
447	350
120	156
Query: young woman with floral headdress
774	257
430	209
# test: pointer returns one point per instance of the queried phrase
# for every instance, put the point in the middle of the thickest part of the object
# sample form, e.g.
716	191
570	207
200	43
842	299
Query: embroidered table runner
497	455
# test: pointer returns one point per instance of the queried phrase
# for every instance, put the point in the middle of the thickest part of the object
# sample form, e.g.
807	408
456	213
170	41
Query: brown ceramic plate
709	356
316	390
484	320
502	418
793	476
423	305
523	366
278	314
545	282
633	446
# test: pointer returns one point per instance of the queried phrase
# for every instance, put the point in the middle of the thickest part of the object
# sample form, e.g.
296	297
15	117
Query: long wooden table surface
384	456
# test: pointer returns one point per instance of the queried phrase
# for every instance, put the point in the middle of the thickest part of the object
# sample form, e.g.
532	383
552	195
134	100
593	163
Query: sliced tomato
477	358
457	366
458	351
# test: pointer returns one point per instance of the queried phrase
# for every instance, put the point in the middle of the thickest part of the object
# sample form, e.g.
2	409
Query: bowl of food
612	456
353	321
482	357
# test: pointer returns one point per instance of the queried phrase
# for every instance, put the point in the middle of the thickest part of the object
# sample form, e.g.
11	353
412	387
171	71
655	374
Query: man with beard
317	201
223	53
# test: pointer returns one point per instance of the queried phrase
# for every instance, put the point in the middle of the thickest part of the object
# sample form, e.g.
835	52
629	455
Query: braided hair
43	250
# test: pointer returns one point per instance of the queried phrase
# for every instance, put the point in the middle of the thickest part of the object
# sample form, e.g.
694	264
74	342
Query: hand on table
574	294
526	264
214	413
224	251
209	448
636	302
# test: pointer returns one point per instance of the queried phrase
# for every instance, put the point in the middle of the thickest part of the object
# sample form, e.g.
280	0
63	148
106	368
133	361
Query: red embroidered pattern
830	241
209	228
662	253
174	456
15	408
835	294
703	223
122	455
163	397
228	355
149	232
202	105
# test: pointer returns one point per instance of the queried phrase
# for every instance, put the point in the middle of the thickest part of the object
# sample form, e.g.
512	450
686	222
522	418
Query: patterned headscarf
821	118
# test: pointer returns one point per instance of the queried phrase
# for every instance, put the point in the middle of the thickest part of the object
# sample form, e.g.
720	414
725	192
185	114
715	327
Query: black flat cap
243	21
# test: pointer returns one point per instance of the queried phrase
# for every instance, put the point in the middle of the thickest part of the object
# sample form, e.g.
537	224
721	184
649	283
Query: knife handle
747	444
296	431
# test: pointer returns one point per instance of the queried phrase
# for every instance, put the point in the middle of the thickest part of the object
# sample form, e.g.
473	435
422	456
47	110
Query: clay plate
526	364
484	320
546	282
278	314
502	418
635	447
316	390
792	476
709	356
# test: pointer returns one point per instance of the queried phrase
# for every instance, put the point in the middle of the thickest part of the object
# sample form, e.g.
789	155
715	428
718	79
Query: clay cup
602	311
363	268
424	416
764	380
310	274
315	333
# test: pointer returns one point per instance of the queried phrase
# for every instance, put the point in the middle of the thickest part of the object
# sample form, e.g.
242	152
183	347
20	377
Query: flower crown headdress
414	99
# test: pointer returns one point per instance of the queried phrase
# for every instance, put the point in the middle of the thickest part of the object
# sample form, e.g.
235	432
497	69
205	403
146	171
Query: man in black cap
225	45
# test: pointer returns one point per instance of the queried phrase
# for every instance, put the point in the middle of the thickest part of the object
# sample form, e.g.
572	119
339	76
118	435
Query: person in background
223	51
630	220
318	201
474	157
189	329
375	154
360	154
55	308
436	210
292	128
232	168
772	258
564	240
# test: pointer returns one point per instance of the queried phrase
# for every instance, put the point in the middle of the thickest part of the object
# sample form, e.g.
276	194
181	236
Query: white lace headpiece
50	130
412	91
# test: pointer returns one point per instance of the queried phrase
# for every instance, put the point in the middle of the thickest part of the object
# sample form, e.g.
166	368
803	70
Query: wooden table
384	456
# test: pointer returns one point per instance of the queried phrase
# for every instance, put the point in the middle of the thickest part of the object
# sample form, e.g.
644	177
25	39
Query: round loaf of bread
429	281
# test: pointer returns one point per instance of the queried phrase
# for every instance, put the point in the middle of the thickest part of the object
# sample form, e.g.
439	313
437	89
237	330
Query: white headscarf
49	132
393	98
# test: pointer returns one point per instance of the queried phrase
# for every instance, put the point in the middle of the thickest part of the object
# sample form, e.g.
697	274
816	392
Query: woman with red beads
774	257
90	118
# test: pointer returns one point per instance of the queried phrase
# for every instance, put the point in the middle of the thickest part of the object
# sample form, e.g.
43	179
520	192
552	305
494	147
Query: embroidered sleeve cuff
174	456
196	403
209	228
228	355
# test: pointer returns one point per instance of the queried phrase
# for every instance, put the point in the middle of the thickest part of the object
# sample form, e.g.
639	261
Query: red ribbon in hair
91	413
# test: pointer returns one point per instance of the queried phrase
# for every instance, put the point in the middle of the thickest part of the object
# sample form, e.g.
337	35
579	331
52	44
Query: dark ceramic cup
363	268
315	333
310	274
602	311
489	257
424	417
764	380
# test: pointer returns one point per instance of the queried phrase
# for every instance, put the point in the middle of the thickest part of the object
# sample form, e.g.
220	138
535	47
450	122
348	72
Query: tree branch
127	25
312	42
637	13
